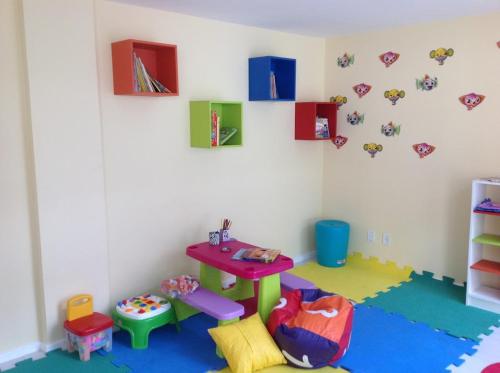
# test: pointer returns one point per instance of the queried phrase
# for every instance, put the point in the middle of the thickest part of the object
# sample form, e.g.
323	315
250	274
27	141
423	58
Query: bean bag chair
311	327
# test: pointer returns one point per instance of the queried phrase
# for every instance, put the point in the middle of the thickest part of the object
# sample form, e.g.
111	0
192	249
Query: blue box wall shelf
259	81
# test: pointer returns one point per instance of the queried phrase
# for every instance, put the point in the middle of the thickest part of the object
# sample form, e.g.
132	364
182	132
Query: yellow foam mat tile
288	369
358	279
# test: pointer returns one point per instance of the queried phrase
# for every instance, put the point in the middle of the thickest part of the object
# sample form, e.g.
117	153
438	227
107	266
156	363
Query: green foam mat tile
59	361
439	304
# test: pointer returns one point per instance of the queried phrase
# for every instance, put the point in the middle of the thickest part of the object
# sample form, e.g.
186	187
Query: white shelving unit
483	267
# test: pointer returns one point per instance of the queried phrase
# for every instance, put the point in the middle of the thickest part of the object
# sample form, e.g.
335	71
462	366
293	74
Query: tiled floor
417	316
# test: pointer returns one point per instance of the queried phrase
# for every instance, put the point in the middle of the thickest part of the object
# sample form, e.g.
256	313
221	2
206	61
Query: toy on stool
141	314
86	330
311	327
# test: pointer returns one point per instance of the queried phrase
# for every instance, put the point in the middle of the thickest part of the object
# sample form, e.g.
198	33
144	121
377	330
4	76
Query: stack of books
274	90
220	135
143	81
257	254
322	131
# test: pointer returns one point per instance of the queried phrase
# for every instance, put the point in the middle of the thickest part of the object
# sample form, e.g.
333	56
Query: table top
213	256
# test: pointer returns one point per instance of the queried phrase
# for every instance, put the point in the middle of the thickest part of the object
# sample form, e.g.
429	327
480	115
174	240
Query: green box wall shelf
231	115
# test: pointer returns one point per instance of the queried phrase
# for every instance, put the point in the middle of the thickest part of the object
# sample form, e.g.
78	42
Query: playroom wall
59	38
163	195
17	278
423	203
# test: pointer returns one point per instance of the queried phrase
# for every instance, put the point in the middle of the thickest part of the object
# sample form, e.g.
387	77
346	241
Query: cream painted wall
162	194
423	203
66	132
115	175
17	278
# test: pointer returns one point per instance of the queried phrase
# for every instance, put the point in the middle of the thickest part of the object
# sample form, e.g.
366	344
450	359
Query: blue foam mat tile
390	343
189	351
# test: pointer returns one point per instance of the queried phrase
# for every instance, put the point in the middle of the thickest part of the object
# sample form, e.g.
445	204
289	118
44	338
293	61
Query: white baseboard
34	350
301	259
8	359
47	347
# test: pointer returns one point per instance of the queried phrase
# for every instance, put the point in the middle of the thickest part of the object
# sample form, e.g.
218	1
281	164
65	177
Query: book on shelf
322	130
146	76
143	81
274	89
225	133
257	254
214	136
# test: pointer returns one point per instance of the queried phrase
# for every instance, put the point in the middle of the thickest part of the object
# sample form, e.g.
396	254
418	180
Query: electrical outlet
386	239
371	236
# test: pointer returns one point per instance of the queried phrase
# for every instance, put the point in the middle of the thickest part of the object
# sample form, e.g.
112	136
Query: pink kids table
213	261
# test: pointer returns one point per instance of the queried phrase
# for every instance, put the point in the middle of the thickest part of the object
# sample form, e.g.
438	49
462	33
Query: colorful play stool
86	330
139	315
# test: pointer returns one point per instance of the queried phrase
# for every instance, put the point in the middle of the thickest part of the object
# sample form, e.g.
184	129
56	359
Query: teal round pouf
332	240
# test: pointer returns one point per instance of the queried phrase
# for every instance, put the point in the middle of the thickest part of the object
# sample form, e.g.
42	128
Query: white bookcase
483	266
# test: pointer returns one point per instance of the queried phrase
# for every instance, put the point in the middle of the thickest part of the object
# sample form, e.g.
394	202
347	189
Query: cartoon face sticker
355	118
471	100
441	54
346	60
373	148
394	95
362	89
339	100
339	141
388	58
423	149
427	83
390	129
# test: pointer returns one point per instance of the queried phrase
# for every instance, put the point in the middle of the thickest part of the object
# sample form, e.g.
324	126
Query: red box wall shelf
159	59
305	119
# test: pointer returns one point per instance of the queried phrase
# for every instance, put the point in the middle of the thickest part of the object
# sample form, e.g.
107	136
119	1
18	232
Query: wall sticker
355	118
339	141
471	100
394	95
346	60
362	89
423	149
390	129
441	54
373	148
427	83
339	100
388	58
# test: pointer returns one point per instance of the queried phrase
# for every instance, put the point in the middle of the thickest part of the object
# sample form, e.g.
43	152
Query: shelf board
486	293
488	239
487	213
487	266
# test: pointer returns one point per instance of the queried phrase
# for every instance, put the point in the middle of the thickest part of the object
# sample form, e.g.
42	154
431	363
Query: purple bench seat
291	282
214	305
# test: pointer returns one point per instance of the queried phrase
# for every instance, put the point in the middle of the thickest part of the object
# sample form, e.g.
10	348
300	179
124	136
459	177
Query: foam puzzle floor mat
59	361
358	279
390	343
439	304
488	353
189	351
